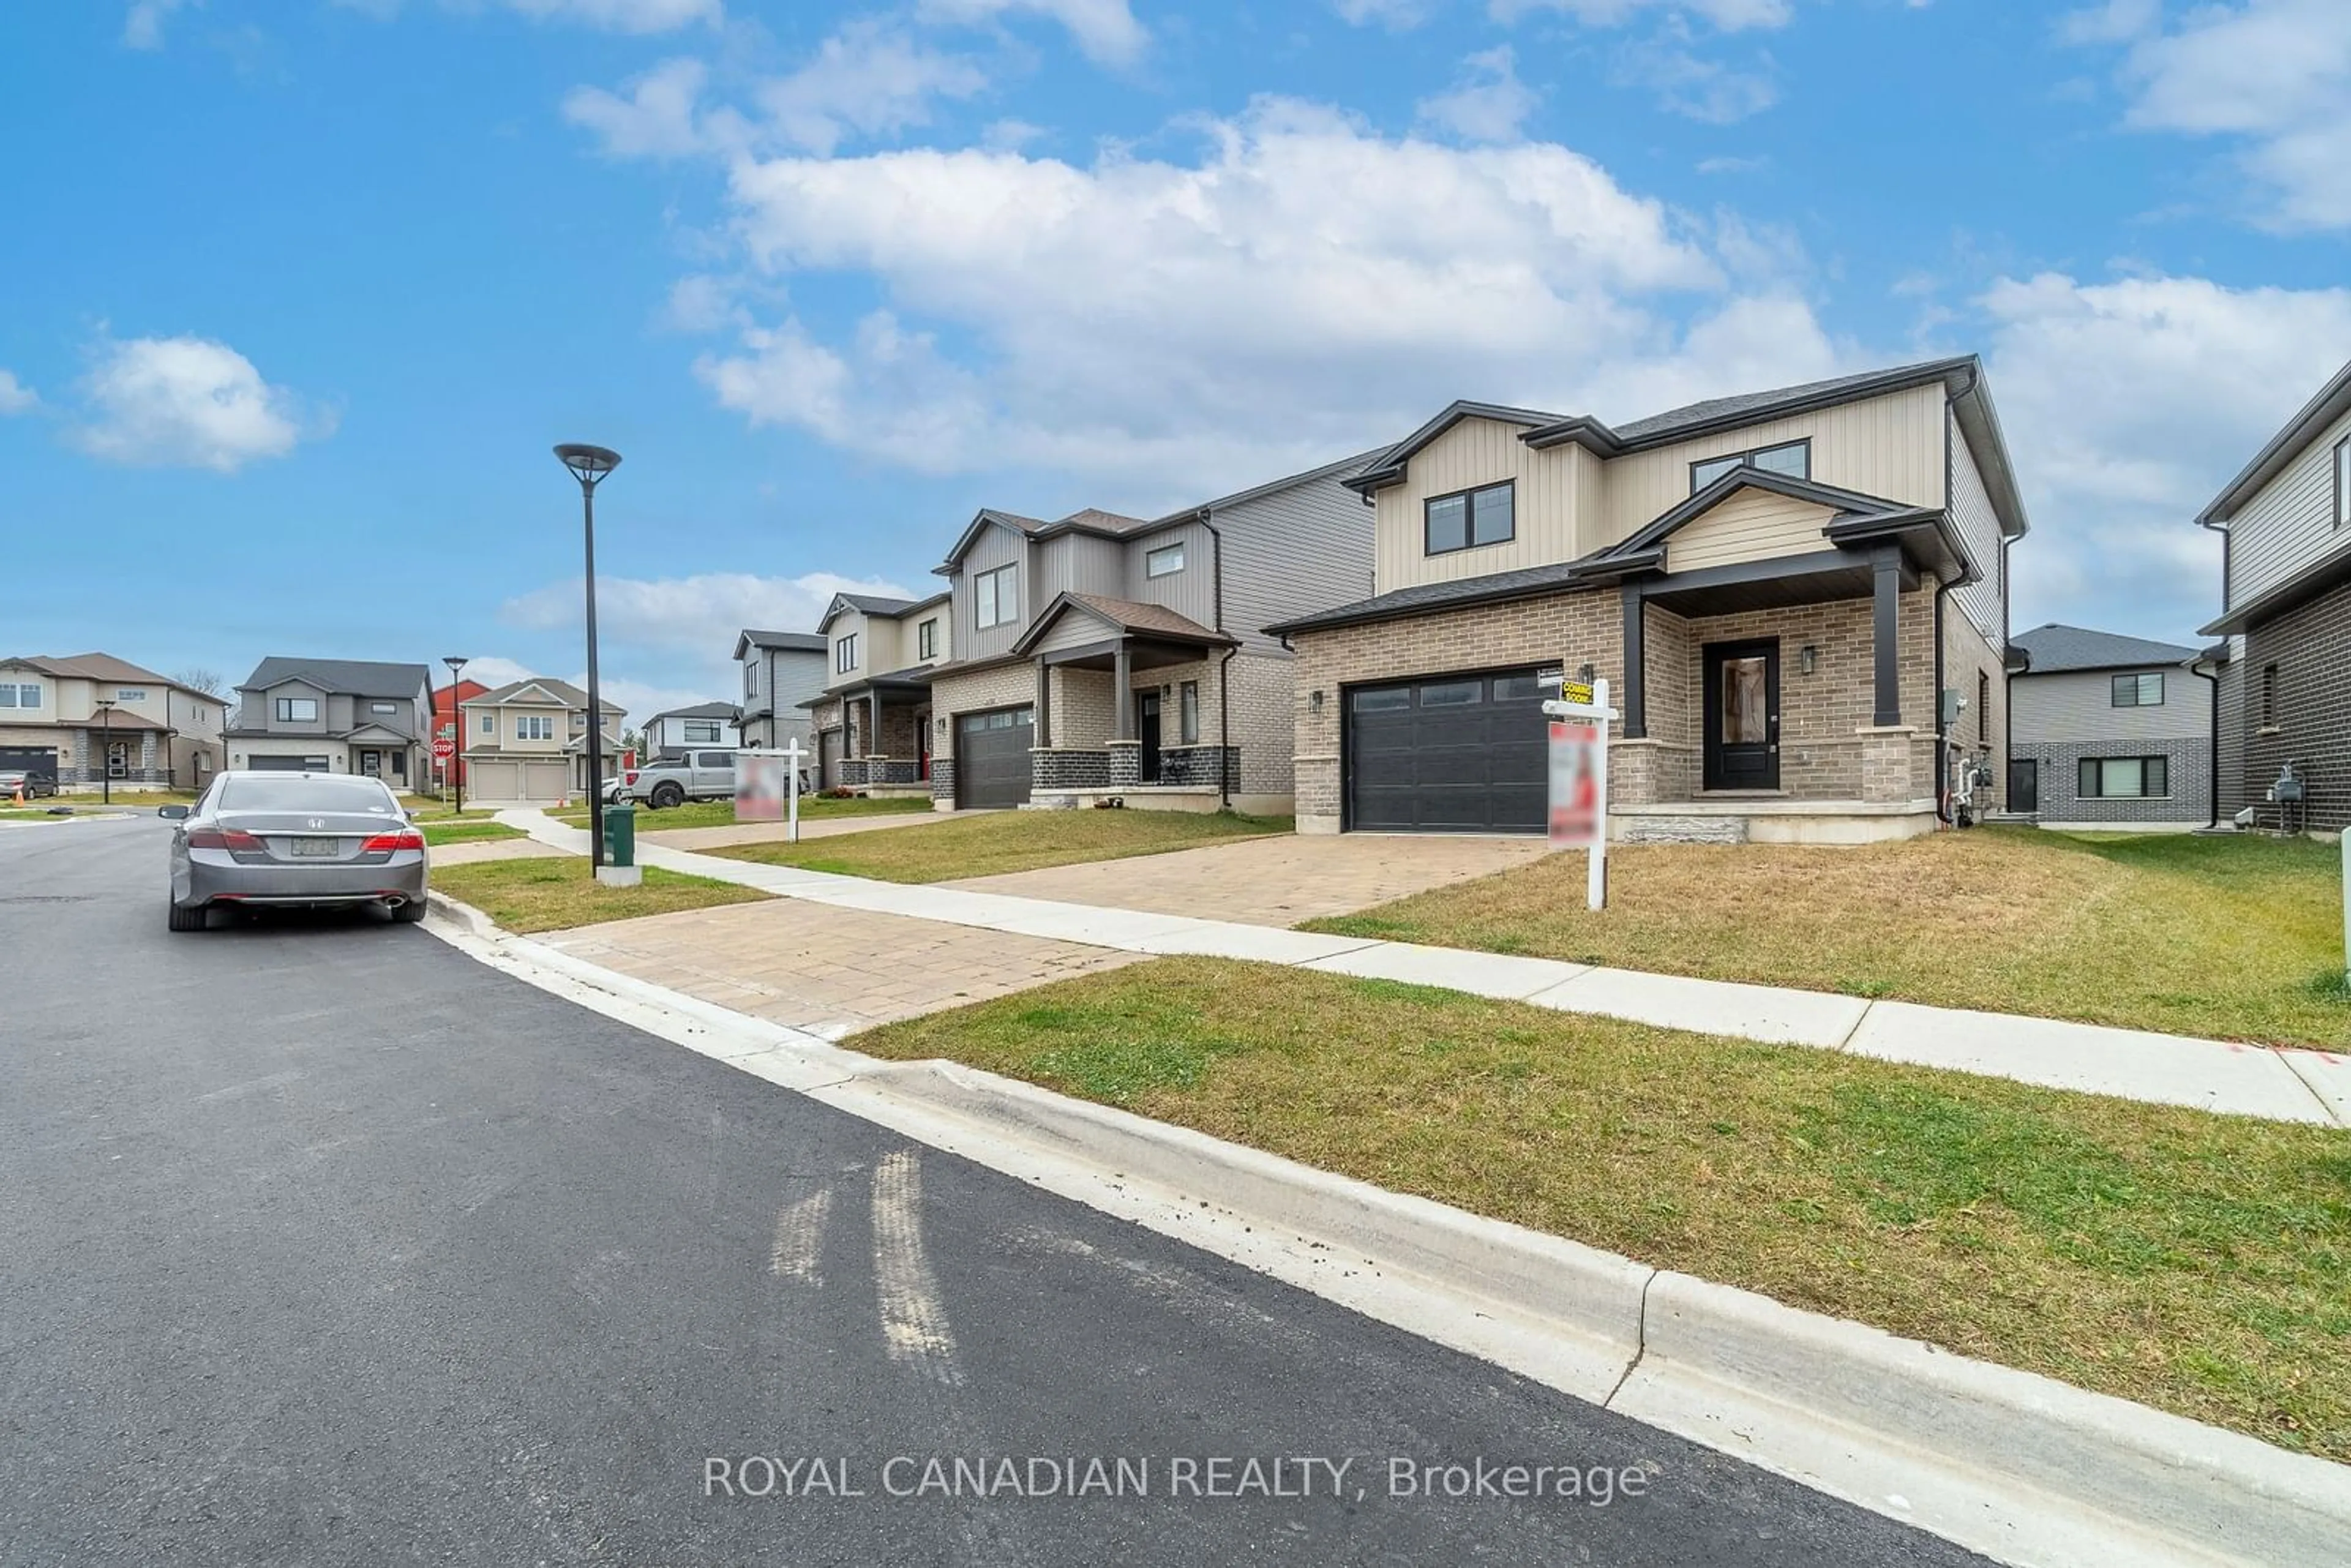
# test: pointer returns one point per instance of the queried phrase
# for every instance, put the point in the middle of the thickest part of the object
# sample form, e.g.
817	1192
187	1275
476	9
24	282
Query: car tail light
630	776
384	843
234	839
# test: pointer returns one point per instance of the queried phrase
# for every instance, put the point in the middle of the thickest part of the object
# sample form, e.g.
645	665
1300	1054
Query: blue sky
298	293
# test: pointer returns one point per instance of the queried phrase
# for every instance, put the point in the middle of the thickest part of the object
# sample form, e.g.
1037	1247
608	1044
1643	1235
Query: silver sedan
298	839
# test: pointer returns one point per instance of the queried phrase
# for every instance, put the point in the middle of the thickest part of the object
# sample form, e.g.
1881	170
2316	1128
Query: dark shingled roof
357	677
1533	583
700	710
804	641
1745	405
2054	648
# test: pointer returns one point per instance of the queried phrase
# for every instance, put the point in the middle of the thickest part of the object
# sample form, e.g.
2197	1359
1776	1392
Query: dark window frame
844	654
926	638
282	709
1468	499
2342	490
2269	697
2094	768
1748	457
2137	679
994	578
1983	708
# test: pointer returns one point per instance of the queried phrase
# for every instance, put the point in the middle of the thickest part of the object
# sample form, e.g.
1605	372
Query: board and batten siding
1978	523
1474	453
2288	522
2076	707
1075	629
1753	524
1076	563
1890	447
997	546
1189	592
1292	552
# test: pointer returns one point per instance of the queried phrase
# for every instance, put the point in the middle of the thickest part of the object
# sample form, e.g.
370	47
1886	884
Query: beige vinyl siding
1979	528
1753	524
2288	522
849	623
1476	452
1890	447
1075	629
2077	706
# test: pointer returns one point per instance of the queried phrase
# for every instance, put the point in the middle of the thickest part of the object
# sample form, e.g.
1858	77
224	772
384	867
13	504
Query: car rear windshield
306	795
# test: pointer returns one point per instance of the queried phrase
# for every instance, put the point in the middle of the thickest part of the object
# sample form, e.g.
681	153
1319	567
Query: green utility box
620	836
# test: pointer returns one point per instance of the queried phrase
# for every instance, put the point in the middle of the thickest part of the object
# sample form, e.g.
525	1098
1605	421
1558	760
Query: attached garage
1449	754
992	757
34	761
260	763
507	779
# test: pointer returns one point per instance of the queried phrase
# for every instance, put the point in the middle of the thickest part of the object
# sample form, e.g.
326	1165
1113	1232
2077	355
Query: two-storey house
334	715
873	719
1799	599
527	740
783	672
89	717
1099	655
669	732
2108	731
2286	588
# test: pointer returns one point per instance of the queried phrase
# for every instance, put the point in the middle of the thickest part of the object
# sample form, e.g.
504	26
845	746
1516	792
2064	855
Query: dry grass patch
2194	1262
527	896
721	813
2234	937
999	841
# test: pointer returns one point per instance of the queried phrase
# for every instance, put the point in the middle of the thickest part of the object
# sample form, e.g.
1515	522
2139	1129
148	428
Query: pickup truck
674	780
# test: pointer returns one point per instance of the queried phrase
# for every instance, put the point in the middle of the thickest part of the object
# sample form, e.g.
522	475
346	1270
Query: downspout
1942	735
2212	771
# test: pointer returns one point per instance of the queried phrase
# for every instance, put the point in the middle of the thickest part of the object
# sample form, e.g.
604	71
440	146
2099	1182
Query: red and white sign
1574	786
443	749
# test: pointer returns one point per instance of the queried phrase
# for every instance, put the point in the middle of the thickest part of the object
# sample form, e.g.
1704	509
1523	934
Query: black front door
1146	730
1743	716
2023	784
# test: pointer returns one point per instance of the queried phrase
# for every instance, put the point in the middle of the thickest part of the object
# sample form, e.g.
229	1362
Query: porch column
1122	699
1885	633
1043	730
1635	702
873	715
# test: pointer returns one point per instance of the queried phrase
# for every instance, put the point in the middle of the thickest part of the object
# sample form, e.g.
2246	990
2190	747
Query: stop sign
444	749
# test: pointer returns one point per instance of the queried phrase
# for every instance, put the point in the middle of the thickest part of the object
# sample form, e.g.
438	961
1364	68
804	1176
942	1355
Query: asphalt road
323	1244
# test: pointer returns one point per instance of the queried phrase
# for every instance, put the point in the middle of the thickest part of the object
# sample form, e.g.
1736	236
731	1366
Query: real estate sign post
765	787
1579	779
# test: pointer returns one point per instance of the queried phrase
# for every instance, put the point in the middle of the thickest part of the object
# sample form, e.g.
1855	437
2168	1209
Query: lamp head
589	465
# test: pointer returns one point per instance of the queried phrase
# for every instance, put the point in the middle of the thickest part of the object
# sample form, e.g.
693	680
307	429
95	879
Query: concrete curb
2019	1466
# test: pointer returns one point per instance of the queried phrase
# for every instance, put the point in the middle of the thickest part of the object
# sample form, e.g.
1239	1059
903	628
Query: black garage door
992	757
40	761
1456	754
286	764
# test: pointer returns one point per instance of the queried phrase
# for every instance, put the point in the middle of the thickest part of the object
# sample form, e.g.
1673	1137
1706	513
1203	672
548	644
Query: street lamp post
590	464
106	751
456	732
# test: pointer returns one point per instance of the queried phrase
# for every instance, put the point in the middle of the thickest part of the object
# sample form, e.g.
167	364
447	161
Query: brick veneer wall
2189	764
2312	649
978	691
1967	654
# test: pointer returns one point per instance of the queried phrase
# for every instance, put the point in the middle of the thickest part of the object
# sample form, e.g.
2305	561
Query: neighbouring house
704	724
1101	656
87	718
871	721
2108	731
2285	589
446	700
783	673
527	740
333	716
1799	599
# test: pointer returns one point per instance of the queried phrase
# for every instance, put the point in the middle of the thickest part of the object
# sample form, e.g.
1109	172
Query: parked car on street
294	839
674	780
32	785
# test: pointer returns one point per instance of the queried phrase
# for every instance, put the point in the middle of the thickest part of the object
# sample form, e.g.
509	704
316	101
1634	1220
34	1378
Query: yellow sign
1575	692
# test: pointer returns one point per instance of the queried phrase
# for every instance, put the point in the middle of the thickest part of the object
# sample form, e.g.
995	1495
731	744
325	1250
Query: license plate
316	849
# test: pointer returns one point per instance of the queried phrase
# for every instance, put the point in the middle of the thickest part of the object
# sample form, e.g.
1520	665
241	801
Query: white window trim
1152	557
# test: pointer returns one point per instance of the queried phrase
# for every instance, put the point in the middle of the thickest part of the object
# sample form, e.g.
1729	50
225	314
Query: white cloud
2113	22
1105	30
869	78
1689	83
1397	15
16	397
1304	286
1487	103
1730	16
2127	406
187	403
142	26
655	119
2274	73
688	614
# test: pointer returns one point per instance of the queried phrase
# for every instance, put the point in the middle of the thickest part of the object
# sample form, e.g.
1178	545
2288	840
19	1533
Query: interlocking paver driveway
829	971
1271	881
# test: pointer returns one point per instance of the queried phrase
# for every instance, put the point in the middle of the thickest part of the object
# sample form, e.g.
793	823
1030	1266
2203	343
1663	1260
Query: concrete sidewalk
2287	1085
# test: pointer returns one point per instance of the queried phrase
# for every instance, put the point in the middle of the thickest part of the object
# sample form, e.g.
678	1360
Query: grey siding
2078	705
2288	522
1075	629
1191	591
1291	553
2188	762
1978	528
1076	563
997	546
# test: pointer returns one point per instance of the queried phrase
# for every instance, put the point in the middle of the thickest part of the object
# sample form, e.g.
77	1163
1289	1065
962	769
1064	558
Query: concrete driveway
1275	881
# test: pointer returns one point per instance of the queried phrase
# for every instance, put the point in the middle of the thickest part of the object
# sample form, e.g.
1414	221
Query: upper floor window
1470	518
489	724
926	639
1165	561
844	654
297	710
2139	691
383	707
131	694
995	597
750	680
534	726
2269	697
1793	458
2343	481
14	696
701	731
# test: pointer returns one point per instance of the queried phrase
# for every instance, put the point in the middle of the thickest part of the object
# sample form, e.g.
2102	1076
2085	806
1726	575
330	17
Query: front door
371	763
2023	784
1146	730
1743	716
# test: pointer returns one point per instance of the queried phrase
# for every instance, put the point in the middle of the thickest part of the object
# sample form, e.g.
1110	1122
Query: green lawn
2236	938
551	894
469	830
2189	1261
999	841
721	813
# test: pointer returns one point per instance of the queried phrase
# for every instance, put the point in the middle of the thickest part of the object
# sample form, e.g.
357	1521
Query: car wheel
667	795
410	913
181	919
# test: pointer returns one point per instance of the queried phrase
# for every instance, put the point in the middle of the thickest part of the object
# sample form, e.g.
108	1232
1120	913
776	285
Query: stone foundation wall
1066	769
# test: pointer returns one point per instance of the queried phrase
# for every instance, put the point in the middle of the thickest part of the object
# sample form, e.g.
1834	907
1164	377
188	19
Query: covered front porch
1126	707
882	741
